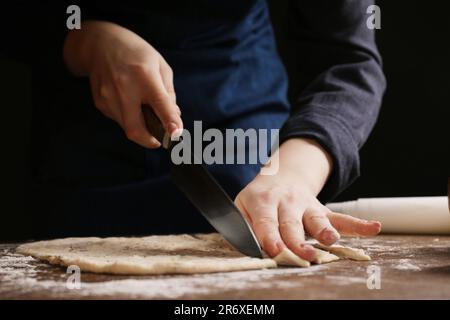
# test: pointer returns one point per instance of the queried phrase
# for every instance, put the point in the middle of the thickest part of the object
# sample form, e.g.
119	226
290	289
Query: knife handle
155	127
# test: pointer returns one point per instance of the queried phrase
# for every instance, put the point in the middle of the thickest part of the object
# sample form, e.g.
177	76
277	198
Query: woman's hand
125	73
282	207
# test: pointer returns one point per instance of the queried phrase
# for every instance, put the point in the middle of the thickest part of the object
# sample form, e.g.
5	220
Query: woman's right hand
125	73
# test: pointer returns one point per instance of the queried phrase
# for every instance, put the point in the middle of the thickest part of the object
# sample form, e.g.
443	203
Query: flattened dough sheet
171	254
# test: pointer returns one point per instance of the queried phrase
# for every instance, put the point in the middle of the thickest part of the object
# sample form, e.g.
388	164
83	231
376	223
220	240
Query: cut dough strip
288	258
345	252
324	254
324	257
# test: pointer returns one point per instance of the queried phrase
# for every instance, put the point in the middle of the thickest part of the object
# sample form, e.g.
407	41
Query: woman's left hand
282	207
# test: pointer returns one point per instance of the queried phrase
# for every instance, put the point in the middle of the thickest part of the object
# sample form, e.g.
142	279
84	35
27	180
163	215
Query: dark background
408	153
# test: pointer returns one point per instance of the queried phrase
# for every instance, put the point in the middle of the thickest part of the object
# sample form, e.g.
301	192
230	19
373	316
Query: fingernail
154	142
330	235
176	134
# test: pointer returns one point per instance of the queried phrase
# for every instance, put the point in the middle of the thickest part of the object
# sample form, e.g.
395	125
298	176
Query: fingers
318	226
264	221
132	118
241	208
106	98
124	90
162	101
351	226
291	229
266	230
167	78
275	225
100	102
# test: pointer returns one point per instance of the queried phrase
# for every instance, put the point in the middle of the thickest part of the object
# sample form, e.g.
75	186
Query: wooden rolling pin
410	215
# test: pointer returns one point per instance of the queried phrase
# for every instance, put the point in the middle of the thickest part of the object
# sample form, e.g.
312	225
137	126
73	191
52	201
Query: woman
97	169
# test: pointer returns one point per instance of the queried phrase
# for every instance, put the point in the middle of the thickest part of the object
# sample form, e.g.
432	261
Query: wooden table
409	267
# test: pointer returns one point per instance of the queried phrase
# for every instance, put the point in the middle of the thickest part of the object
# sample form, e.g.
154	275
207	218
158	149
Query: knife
205	193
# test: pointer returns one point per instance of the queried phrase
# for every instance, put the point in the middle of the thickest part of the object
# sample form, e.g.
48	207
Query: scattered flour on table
405	264
13	265
179	286
14	268
345	280
19	273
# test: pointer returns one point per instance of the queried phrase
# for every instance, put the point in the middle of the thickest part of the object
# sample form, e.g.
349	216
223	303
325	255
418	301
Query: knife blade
205	193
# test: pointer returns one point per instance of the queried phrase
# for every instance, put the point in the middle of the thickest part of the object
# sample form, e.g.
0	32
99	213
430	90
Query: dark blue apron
88	179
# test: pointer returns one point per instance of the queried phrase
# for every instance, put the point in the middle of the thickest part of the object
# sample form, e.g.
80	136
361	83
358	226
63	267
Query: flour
405	264
179	286
19	273
345	280
13	265
170	287
22	276
13	269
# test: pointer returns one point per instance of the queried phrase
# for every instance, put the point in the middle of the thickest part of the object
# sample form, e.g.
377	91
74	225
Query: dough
172	254
345	252
288	258
147	255
324	257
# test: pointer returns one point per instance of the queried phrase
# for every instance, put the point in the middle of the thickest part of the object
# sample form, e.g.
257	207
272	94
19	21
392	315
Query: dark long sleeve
336	81
335	68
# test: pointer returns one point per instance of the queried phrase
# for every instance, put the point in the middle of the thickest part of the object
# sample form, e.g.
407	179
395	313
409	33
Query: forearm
305	163
336	97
